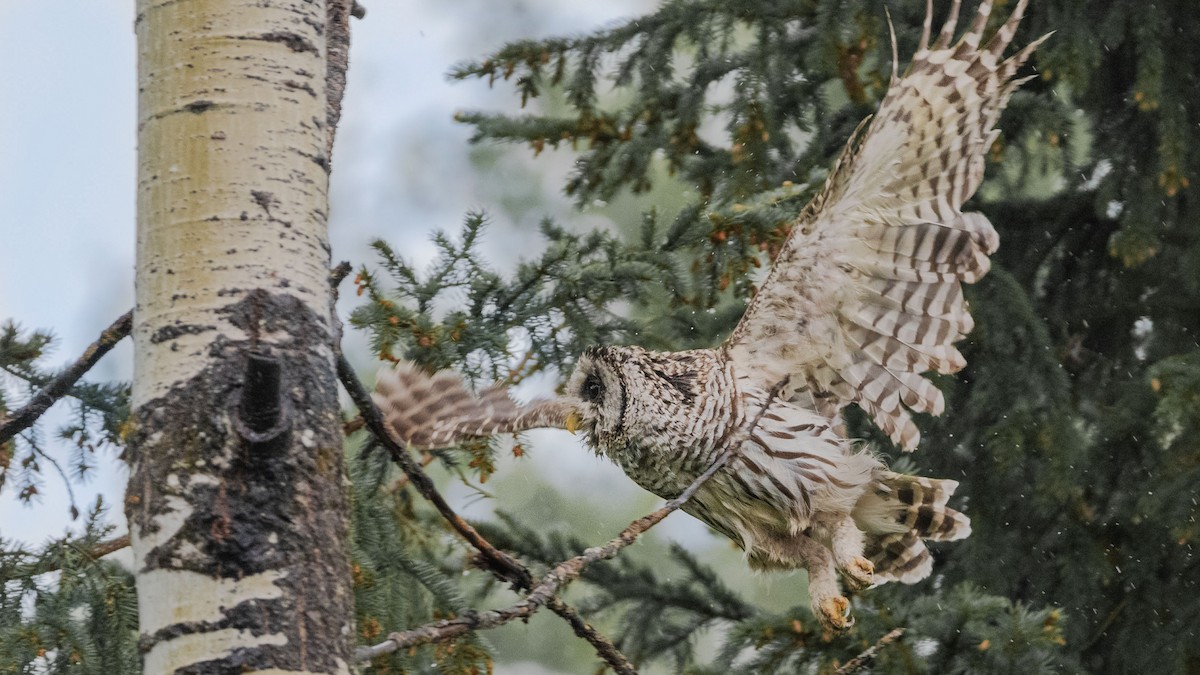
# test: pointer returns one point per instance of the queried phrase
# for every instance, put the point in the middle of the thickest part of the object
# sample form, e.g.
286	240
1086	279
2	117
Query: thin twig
864	659
110	546
603	646
398	484
522	370
1108	621
61	384
63	475
566	571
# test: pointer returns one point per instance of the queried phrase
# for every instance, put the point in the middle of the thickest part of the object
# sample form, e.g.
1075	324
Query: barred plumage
864	297
868	283
435	411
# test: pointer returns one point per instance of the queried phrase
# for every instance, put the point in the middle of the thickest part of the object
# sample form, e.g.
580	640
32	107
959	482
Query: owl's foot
845	541
858	573
833	613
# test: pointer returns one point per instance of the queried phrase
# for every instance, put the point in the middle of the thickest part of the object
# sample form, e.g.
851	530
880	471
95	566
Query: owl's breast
660	466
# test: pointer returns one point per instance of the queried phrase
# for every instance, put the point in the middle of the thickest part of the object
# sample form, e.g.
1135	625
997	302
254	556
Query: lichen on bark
208	507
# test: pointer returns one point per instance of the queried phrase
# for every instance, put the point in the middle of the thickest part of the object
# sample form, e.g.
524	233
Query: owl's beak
573	421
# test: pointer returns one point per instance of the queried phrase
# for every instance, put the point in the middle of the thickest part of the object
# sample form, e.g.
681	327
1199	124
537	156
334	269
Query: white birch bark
239	537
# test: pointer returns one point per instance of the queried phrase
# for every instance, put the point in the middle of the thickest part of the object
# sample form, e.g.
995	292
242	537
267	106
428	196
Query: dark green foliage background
1073	429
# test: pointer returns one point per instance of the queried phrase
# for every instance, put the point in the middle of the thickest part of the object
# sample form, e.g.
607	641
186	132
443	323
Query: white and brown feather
866	295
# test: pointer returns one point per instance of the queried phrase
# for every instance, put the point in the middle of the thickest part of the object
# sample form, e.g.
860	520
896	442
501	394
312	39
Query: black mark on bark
171	332
294	42
303	86
266	200
199	106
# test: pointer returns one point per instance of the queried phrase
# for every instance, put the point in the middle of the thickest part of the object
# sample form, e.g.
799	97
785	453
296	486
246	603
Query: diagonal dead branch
109	546
502	566
603	646
499	563
864	659
61	384
545	591
496	559
566	571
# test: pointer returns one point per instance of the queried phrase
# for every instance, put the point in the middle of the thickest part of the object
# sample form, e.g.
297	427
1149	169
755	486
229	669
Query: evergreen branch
563	573
96	552
544	593
61	384
496	559
498	562
864	659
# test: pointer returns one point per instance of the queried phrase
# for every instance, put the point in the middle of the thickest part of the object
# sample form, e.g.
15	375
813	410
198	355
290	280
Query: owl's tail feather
898	514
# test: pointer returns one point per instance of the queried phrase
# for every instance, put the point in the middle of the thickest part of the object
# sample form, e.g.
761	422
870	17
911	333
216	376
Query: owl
863	298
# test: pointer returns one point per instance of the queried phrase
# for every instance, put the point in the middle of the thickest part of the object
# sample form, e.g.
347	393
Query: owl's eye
593	388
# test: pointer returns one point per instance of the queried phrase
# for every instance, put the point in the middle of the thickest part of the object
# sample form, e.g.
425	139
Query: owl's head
629	393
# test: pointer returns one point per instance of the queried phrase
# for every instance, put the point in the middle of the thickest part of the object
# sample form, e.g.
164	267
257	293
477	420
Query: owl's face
630	396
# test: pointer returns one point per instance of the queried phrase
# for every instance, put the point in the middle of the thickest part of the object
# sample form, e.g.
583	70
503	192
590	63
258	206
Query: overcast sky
67	173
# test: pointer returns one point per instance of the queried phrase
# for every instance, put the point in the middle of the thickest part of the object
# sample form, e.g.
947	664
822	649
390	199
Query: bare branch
398	484
499	563
496	559
603	646
61	384
864	659
110	546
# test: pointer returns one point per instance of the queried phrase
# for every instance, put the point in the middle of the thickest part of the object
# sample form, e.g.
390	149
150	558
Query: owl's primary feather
864	297
435	411
865	294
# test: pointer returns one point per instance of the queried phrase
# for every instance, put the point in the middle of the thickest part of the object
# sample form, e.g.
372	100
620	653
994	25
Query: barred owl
863	298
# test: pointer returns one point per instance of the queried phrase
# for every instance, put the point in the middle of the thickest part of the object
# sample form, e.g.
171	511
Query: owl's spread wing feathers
436	411
865	295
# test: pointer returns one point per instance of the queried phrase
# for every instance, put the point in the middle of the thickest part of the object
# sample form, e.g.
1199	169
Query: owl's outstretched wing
865	294
436	411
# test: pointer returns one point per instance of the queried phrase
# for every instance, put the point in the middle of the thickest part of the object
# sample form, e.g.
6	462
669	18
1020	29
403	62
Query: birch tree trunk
237	502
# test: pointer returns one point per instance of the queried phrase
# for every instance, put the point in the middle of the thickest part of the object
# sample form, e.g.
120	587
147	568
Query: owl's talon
859	573
834	614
